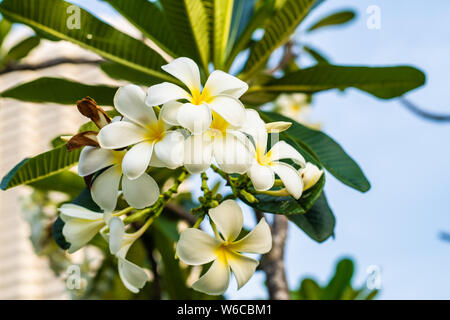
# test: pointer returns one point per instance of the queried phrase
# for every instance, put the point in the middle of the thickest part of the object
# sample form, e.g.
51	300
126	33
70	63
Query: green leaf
326	150
250	23
84	199
341	280
309	290
337	18
190	24
121	72
288	206
319	222
283	23
148	18
58	236
60	91
223	10
382	82
21	50
40	167
51	17
316	55
66	182
5	27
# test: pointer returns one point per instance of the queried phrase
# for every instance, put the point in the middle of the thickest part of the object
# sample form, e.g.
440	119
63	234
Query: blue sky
396	224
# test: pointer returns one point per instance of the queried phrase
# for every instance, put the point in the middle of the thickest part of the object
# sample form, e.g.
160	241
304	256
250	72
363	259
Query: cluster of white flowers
171	127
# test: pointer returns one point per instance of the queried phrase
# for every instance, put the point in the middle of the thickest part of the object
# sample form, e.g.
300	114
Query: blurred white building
26	130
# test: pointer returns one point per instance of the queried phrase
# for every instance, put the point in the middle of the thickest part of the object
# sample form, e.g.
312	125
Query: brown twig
47	64
273	263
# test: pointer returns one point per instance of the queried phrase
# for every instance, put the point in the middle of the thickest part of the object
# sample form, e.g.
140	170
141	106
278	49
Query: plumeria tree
203	99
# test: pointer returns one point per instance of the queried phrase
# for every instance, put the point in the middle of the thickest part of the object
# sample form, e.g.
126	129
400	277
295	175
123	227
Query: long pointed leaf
281	26
148	18
21	49
60	91
190	24
337	18
223	10
382	82
40	167
50	16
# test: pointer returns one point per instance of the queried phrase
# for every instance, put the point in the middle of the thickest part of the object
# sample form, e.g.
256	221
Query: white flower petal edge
141	192
93	159
262	177
137	159
194	118
164	93
186	70
105	189
130	102
290	178
80	225
133	277
220	82
116	232
228	219
310	175
195	247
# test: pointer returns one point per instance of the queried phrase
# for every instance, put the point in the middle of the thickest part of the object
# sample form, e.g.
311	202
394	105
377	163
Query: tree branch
273	263
424	114
47	64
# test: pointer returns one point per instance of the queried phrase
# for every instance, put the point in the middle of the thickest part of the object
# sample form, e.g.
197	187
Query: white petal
283	150
256	128
163	93
170	150
278	126
262	177
94	159
69	211
197	153
259	240
229	108
220	82
228	219
116	232
310	175
130	102
169	112
80	225
196	247
232	155
194	118
185	70
132	276
105	188
285	101
121	134
215	281
290	177
137	159
141	192
243	267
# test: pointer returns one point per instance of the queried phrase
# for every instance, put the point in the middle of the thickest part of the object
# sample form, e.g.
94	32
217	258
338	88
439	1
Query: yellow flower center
155	131
198	97
118	156
219	125
222	251
263	159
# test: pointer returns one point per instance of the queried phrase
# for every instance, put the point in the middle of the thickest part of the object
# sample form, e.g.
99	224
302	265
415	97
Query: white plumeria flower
310	175
220	94
142	129
196	247
221	142
295	106
133	277
139	193
266	164
80	225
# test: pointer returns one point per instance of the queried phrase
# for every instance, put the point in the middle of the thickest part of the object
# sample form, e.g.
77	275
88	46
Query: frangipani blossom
80	225
141	128
220	94
133	277
139	193
221	142
297	107
310	175
266	163
196	247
